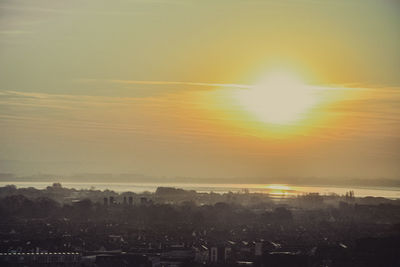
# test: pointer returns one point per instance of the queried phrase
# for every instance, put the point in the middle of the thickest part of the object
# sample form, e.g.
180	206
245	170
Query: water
274	189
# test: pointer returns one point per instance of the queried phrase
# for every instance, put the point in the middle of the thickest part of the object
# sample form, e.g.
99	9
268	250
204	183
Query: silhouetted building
202	254
68	259
258	249
287	259
122	260
219	254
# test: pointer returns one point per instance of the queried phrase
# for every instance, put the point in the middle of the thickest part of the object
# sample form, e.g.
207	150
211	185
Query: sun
280	98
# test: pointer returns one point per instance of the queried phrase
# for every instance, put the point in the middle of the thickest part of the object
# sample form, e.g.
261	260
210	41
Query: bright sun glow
278	187
279	98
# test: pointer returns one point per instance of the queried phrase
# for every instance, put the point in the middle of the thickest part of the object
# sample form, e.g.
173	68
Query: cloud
141	82
373	114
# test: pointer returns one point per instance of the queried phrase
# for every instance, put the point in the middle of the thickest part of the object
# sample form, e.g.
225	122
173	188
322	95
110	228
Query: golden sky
201	88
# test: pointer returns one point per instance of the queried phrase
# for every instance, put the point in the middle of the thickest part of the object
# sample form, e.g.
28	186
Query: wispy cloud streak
141	82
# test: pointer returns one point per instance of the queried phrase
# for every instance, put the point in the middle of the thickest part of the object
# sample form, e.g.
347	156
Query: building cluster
125	201
72	259
173	228
365	252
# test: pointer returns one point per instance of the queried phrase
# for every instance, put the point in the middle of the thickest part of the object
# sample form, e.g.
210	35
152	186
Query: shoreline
275	189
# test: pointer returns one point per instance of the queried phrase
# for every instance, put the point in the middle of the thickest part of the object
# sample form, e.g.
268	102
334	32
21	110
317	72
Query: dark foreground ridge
58	226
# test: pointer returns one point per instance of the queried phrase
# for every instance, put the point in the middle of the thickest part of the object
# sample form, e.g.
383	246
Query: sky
291	88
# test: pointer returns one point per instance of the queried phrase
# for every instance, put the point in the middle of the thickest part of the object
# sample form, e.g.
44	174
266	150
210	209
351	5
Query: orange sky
183	88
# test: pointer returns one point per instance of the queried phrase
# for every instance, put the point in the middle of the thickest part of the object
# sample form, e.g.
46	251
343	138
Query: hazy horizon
136	179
